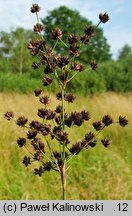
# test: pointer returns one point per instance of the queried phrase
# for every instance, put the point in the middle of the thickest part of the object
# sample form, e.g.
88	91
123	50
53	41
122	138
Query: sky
118	31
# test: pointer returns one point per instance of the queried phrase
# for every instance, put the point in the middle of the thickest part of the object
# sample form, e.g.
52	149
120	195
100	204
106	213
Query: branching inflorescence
53	124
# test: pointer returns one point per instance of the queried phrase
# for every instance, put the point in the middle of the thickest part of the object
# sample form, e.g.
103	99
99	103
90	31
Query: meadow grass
97	173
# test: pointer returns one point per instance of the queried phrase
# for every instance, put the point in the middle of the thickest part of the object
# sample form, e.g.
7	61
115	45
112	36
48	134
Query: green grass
97	173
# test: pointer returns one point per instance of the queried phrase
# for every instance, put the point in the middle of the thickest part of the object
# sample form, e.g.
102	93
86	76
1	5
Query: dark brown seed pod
35	8
104	17
123	121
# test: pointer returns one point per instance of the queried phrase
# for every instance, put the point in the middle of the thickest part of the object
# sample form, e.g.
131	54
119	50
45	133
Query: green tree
117	74
124	52
13	48
6	44
70	21
126	67
20	59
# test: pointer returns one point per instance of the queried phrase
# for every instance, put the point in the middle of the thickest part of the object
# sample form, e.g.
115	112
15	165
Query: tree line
110	75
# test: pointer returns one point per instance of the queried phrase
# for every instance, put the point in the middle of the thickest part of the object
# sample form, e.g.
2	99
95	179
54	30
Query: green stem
63	170
72	77
37	17
88	69
97	25
64	44
63	181
51	152
63	124
56	75
55	45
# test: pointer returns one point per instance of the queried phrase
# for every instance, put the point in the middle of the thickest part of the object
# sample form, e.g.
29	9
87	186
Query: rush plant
47	139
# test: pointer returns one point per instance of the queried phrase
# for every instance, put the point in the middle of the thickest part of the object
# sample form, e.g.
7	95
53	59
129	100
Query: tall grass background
97	173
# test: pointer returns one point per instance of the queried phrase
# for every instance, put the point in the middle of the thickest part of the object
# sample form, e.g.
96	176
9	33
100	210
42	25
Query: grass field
97	173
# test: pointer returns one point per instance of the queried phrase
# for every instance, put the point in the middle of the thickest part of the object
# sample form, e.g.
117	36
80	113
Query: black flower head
76	148
38	144
45	130
73	39
59	96
35	46
56	34
21	121
85	115
97	125
60	135
21	142
45	100
92	143
47	80
84	39
31	134
68	121
35	8
89	136
26	161
9	115
48	70
103	17
62	61
35	125
39	171
77	118
57	155
63	136
37	92
123	121
47	166
50	115
107	120
93	65
69	98
89	31
106	142
58	109
38	27
42	113
58	119
74	50
35	65
77	67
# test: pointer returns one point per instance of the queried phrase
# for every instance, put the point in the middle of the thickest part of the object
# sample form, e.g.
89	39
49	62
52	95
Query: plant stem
55	45
97	25
63	171
63	124
63	43
37	17
63	181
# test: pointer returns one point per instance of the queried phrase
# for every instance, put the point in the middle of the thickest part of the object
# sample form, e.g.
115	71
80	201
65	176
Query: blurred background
104	173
